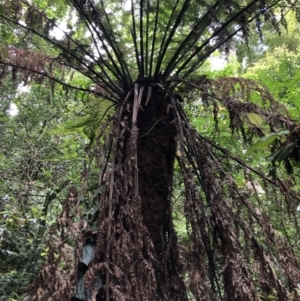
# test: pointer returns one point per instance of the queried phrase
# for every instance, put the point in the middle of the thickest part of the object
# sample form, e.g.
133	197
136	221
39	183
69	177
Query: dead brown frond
136	245
240	96
236	248
58	276
240	251
36	66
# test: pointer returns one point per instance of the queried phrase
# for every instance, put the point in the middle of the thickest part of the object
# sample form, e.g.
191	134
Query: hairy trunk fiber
156	154
136	253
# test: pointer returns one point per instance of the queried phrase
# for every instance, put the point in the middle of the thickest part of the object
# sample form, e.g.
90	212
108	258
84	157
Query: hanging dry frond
36	66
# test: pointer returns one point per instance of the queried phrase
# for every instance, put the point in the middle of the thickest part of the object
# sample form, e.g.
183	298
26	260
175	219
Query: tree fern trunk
156	154
136	253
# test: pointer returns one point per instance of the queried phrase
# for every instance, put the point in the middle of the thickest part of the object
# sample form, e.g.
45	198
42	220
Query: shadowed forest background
150	150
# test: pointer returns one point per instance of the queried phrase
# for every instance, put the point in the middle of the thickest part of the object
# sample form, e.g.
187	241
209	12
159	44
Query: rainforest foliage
131	168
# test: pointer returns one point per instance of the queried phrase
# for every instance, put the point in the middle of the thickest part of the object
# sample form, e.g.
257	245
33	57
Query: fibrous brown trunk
136	253
156	153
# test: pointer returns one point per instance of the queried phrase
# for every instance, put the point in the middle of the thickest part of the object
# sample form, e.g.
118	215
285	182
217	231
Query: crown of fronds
116	43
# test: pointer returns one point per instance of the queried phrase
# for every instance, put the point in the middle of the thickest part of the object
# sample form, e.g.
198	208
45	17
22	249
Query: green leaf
35	212
263	143
282	153
295	163
255	119
282	133
61	265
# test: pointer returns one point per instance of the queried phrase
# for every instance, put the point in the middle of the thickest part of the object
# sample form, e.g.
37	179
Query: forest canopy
131	169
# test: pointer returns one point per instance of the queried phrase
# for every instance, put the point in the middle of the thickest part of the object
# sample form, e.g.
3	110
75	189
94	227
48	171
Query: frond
216	205
159	40
232	238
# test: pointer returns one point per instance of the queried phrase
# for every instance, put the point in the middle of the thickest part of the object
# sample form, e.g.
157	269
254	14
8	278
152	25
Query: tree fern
233	252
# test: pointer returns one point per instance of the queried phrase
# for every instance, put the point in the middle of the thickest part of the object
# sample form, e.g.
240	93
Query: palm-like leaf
159	40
